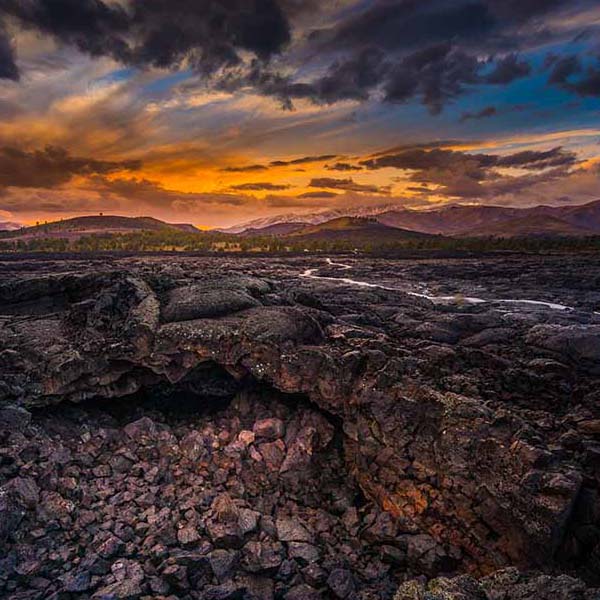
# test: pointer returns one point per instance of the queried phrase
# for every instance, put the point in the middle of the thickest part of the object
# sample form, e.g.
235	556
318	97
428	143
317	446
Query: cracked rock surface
342	441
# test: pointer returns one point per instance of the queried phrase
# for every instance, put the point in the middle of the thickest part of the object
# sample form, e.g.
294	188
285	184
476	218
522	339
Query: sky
218	112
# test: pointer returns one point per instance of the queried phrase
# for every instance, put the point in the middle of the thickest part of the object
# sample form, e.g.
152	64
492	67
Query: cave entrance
211	488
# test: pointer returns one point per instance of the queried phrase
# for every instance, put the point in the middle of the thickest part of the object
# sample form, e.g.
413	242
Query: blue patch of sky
392	124
530	103
115	77
161	85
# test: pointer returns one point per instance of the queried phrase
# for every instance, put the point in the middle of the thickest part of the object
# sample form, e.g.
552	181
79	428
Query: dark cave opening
143	479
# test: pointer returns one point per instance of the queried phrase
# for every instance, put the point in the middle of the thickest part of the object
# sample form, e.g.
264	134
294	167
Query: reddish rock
270	429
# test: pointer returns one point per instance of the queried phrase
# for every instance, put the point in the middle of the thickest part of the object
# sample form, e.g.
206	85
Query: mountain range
360	230
375	223
312	218
454	221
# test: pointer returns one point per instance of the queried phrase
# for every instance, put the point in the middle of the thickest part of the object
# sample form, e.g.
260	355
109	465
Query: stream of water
312	274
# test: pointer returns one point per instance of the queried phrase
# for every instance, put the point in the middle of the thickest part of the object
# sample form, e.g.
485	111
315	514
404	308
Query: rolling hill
533	225
585	215
449	220
278	229
356	229
99	225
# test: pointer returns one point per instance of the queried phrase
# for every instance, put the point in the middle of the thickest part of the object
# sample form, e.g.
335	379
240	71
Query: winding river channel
313	274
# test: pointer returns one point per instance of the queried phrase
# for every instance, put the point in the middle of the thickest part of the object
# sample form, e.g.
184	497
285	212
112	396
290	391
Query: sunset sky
219	112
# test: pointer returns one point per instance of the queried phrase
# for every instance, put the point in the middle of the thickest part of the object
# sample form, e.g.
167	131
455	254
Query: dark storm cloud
536	160
397	51
320	194
257	187
484	113
348	185
404	24
8	67
401	50
248	169
516	10
491	111
257	78
438	144
508	69
352	79
341	166
435	75
92	26
569	73
589	85
419	159
442	72
302	161
432	50
51	167
563	68
160	33
475	175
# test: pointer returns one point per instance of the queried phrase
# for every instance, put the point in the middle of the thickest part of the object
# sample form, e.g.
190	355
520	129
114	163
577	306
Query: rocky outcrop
471	429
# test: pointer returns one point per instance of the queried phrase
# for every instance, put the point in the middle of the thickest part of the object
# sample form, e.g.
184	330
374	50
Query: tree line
214	242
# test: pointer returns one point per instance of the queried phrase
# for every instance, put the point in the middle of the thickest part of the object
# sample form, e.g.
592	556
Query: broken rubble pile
194	507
